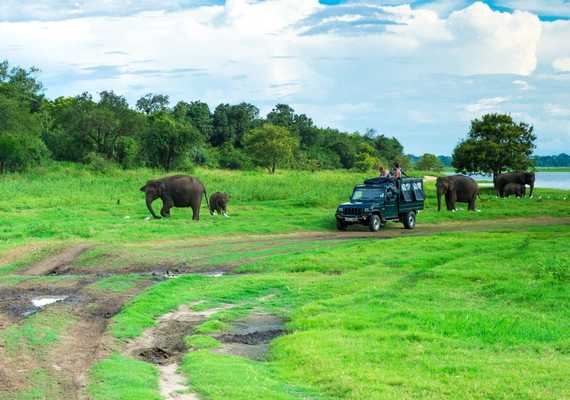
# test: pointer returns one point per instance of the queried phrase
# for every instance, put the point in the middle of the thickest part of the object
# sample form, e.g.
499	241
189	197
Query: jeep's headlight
339	210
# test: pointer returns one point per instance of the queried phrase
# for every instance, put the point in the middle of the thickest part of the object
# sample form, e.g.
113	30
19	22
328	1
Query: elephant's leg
166	206
196	213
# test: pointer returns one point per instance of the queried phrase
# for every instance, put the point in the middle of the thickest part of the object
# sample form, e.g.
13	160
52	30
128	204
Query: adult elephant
523	178
456	188
175	191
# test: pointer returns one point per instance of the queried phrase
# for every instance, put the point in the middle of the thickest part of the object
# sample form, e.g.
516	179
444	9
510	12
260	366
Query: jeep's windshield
365	194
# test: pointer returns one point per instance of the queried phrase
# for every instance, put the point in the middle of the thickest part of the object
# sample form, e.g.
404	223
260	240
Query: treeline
561	160
106	131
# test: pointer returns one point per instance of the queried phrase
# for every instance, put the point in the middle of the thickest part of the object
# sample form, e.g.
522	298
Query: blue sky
419	70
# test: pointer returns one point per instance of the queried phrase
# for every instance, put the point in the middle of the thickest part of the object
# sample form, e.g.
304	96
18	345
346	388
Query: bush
20	152
232	158
97	163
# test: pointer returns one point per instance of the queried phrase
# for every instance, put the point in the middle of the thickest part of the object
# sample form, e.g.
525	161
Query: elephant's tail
206	198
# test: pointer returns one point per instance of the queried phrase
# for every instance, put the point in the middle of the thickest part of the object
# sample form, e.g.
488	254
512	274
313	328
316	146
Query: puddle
250	337
215	274
173	384
41	302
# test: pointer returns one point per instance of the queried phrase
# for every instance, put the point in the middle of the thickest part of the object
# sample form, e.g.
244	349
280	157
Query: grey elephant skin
522	178
456	188
514	189
219	203
175	191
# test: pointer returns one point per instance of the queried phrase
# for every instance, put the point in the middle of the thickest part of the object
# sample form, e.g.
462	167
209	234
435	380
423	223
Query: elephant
219	203
514	189
456	188
175	191
523	178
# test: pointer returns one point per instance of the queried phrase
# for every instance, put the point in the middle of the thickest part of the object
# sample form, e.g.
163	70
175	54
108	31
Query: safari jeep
380	200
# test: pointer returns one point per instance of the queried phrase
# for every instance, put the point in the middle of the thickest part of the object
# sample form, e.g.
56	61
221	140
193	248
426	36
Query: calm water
552	180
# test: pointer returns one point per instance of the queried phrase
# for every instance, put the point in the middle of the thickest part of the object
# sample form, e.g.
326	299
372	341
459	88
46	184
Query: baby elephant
219	203
514	189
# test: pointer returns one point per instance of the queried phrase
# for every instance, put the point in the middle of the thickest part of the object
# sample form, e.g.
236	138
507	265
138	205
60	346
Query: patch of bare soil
173	384
78	346
250	337
15	254
59	263
164	345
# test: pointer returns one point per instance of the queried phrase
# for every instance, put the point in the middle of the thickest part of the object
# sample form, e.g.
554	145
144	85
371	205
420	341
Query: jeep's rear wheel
341	225
410	220
374	223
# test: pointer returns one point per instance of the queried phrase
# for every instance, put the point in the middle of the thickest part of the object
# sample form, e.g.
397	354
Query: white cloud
560	8
484	106
557	110
562	64
362	65
522	85
493	42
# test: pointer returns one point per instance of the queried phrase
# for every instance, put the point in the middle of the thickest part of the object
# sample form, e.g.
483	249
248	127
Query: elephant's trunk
439	193
149	199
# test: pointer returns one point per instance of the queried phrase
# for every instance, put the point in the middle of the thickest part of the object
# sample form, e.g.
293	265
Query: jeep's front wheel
410	220
341	225
374	223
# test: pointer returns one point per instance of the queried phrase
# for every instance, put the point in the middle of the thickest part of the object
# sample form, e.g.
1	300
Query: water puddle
41	302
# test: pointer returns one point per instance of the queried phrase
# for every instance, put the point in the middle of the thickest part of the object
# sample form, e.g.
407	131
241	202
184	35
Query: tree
167	141
270	145
494	144
429	162
198	114
231	122
153	103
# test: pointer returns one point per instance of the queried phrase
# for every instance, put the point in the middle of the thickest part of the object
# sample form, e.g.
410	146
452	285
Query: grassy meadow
68	202
445	315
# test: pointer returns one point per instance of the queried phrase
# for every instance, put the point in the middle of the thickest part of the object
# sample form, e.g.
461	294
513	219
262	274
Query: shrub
20	152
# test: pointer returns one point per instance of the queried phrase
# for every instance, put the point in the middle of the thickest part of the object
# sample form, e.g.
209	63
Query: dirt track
85	340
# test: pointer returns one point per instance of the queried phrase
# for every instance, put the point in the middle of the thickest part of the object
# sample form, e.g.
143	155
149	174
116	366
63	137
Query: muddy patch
164	344
58	264
18	304
250	337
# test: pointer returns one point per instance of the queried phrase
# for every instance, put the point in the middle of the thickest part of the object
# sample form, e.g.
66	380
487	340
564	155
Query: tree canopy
429	162
495	144
104	129
271	145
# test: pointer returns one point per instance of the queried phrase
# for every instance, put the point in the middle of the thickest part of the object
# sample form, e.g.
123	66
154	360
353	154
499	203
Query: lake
551	180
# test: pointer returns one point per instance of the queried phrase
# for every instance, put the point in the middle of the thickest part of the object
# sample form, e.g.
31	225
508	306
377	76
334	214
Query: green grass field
448	314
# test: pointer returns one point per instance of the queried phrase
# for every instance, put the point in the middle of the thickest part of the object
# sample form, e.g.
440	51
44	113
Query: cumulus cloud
400	68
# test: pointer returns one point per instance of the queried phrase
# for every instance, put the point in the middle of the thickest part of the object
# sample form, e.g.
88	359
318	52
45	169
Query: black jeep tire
341	225
374	223
409	220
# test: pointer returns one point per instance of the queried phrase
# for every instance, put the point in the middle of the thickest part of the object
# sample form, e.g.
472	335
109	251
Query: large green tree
167	141
495	144
270	145
21	113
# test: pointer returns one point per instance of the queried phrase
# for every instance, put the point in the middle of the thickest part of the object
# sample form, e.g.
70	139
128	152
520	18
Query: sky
419	70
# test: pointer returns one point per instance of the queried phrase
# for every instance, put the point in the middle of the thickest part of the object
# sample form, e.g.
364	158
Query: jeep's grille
352	211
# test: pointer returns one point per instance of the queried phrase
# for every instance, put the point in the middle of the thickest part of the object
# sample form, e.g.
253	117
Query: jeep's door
391	202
